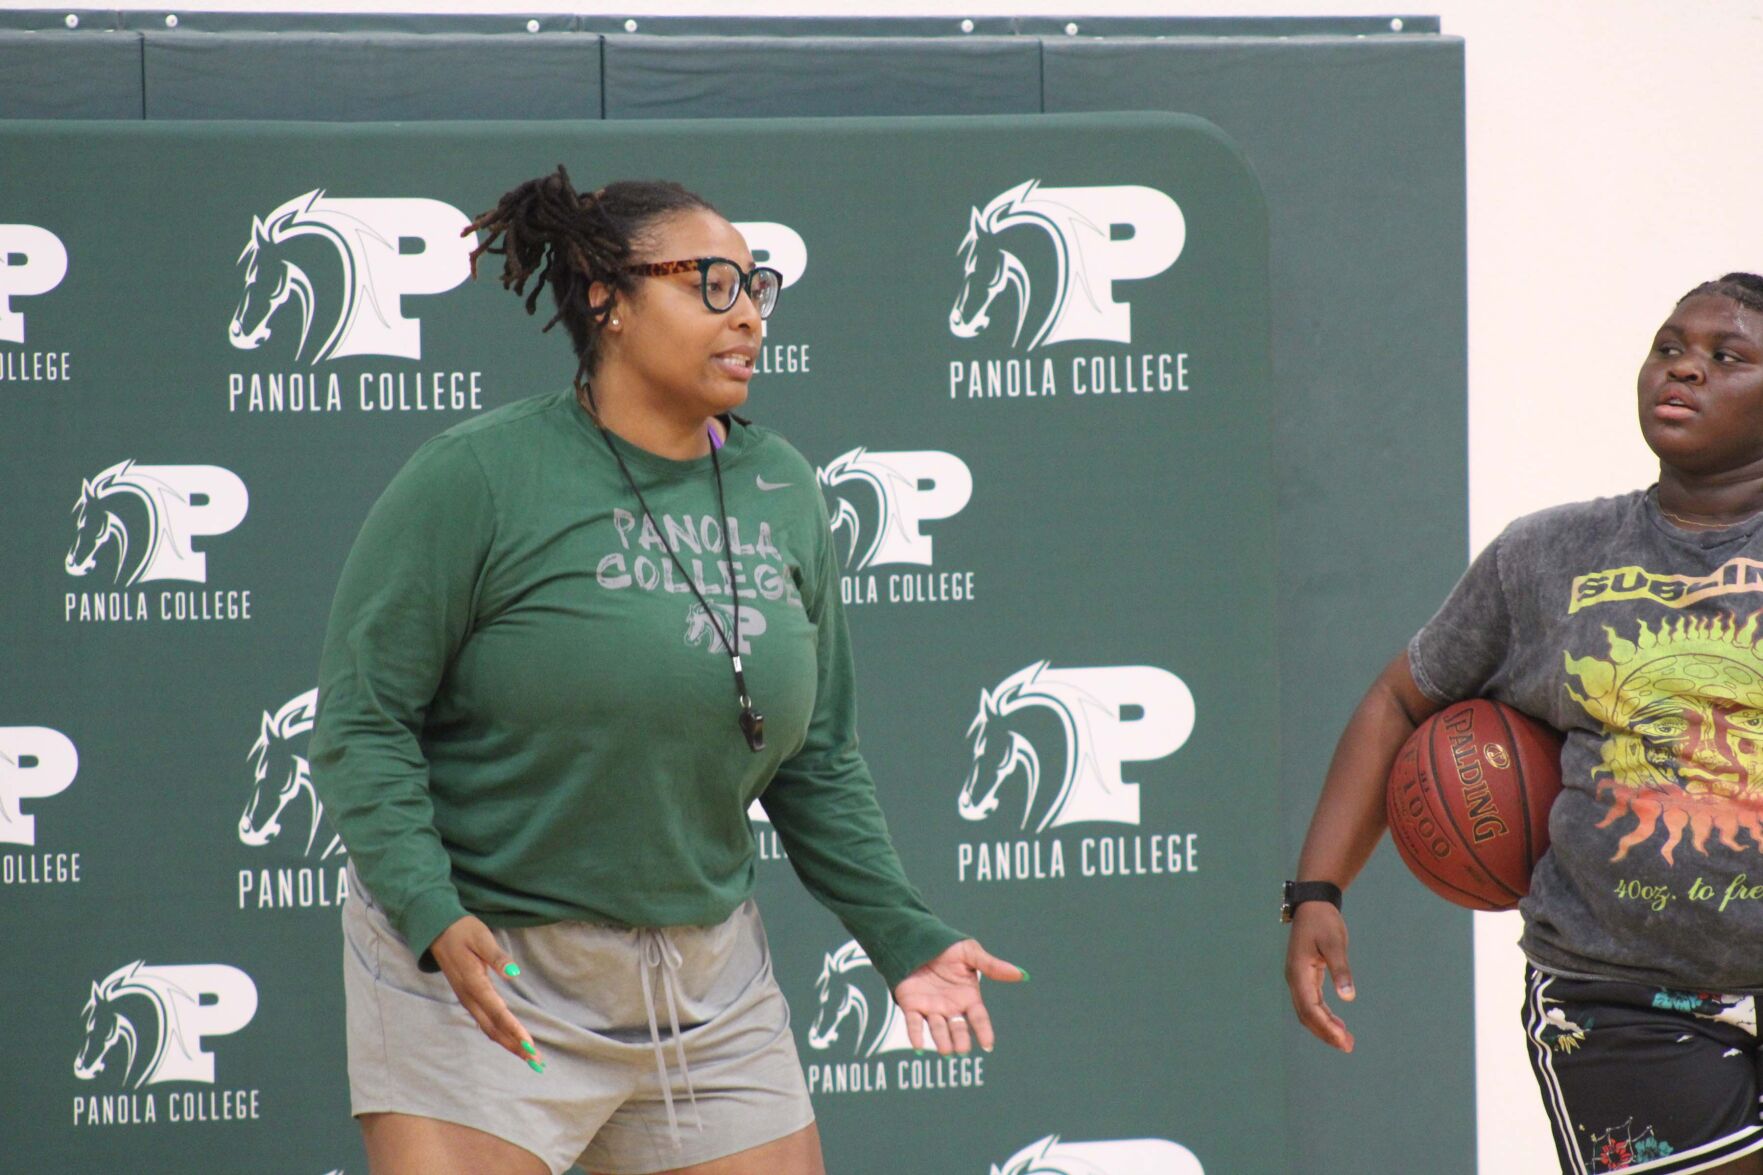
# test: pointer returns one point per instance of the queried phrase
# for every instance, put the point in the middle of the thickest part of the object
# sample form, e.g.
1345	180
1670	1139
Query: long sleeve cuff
906	950
423	920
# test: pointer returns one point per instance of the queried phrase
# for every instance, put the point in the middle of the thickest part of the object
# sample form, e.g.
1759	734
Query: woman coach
576	637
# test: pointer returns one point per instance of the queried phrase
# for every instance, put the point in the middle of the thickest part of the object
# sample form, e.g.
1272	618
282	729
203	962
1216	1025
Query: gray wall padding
70	75
1359	147
371	77
711	77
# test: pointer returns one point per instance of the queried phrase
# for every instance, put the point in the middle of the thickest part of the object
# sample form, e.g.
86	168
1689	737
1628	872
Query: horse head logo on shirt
714	635
147	1024
1061	276
1064	735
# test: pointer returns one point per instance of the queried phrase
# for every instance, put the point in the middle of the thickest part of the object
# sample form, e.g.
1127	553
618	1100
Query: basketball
1468	802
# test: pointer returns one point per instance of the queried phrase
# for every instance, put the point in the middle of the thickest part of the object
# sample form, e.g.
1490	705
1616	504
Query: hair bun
545	229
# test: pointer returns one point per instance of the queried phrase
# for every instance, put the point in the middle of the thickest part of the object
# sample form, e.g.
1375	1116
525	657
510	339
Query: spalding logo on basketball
1468	802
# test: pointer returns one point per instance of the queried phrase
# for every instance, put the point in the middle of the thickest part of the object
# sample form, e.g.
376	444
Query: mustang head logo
146	1024
340	263
1070	763
856	1007
1084	258
281	777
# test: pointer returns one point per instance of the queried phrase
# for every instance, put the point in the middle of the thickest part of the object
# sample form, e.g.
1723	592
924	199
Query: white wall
1615	160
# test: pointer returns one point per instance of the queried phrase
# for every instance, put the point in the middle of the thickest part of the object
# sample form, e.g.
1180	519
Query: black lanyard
752	722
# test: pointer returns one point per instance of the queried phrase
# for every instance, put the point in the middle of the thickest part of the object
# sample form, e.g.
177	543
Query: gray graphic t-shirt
1642	642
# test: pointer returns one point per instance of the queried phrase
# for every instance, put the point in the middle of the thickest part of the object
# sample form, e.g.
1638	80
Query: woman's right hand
1345	829
468	954
1318	944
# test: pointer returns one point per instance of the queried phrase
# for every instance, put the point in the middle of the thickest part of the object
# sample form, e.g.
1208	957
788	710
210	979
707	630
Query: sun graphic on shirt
1682	710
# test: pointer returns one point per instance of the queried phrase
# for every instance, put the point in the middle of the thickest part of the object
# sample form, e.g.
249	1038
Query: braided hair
1744	288
544	227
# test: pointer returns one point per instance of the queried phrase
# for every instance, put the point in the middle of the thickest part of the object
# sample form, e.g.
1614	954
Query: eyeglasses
721	281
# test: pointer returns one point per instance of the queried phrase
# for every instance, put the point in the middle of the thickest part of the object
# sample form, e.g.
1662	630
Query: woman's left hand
944	994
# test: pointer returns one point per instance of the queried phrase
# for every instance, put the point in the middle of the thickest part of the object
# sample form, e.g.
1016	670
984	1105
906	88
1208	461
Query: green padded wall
956	24
371	77
52	74
1357	137
1359	146
723	77
1066	730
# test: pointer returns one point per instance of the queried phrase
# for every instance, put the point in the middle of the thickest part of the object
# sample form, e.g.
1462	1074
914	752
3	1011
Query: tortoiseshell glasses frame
720	281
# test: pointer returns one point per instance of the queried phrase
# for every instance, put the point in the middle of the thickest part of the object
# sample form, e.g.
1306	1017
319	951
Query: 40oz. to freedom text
1657	896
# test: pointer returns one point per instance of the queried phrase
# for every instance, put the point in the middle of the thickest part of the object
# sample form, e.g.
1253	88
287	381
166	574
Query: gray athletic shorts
731	1076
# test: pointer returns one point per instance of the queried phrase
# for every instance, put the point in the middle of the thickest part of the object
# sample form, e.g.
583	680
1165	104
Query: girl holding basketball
1634	625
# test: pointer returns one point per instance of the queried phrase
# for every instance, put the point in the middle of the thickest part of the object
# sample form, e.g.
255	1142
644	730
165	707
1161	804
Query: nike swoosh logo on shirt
771	485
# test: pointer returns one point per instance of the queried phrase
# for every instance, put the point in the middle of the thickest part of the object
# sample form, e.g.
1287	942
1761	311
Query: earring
615	320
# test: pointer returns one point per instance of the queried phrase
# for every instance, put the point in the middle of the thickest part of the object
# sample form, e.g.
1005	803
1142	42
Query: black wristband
1296	893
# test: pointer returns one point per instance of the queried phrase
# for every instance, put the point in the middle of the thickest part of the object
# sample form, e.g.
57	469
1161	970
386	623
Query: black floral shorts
1644	1079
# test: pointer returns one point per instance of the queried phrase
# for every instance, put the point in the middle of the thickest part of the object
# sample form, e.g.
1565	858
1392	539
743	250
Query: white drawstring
658	954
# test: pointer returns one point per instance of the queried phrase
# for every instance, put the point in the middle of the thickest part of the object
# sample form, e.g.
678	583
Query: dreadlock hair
1744	288
545	228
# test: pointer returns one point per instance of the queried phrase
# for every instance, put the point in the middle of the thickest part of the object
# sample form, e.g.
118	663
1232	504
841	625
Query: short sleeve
1467	641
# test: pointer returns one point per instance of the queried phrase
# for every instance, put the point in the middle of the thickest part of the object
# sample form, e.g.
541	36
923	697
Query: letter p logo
776	245
388	269
32	261
1122	233
907	489
1130	714
200	500
201	1000
35	762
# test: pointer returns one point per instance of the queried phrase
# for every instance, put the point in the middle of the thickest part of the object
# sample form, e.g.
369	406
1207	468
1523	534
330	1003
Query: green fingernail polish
1024	971
536	1066
512	970
918	1052
527	1045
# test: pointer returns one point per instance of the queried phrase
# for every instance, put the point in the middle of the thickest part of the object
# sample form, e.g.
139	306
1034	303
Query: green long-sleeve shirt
525	713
